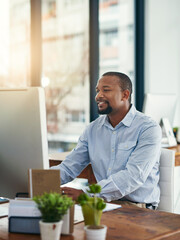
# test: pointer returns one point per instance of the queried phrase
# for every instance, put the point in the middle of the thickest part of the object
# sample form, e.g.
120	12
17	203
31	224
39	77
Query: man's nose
99	95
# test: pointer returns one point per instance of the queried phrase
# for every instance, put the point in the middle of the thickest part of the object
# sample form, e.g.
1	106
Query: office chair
166	182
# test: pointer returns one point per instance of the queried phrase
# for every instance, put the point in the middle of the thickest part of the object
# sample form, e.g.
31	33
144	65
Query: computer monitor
23	137
160	106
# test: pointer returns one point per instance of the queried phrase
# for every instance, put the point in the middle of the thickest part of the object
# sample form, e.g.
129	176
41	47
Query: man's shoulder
144	119
145	122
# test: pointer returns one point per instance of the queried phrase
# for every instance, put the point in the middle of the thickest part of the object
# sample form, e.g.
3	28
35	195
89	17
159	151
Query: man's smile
102	104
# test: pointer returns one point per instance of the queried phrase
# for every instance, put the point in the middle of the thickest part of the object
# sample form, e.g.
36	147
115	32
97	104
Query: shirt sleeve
140	163
75	162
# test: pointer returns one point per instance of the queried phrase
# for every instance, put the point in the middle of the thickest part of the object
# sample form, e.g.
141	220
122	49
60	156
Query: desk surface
177	154
126	223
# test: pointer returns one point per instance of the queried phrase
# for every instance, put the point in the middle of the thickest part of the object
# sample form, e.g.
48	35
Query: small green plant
175	131
92	206
53	206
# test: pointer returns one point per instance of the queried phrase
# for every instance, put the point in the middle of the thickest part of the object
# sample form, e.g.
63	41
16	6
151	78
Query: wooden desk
126	223
177	154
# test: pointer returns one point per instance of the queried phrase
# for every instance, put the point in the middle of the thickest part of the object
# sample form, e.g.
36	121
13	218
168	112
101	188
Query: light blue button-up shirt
125	159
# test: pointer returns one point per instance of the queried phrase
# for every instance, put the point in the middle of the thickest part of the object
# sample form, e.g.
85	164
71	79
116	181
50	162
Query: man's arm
75	162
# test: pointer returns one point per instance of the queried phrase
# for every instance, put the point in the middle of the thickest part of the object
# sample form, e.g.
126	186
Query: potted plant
92	207
53	206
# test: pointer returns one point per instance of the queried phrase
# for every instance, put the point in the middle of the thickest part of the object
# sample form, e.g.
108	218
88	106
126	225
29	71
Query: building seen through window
116	23
65	43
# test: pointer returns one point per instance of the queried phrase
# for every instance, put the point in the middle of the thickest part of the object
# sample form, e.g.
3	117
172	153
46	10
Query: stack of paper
23	208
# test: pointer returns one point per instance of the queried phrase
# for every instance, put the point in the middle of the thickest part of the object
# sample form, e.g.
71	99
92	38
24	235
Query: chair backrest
166	182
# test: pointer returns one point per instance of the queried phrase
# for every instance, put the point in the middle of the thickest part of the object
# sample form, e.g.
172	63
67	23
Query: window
116	21
15	43
65	70
109	37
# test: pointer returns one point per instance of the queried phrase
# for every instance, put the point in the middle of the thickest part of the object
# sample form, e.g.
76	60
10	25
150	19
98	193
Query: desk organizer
24	225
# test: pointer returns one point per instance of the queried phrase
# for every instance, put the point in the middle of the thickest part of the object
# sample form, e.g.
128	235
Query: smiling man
114	96
123	146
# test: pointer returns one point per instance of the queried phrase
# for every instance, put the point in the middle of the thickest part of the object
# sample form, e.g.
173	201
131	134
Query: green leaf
94	188
53	206
83	199
100	204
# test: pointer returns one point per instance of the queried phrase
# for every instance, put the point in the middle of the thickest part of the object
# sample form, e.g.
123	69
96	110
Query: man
123	146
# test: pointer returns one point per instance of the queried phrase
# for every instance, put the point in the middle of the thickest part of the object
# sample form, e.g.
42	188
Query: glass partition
65	75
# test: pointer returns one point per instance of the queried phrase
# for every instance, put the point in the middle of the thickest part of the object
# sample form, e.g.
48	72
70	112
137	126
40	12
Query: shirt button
112	149
109	169
114	132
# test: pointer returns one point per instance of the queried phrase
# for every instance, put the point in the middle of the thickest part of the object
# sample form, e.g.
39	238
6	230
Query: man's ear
126	94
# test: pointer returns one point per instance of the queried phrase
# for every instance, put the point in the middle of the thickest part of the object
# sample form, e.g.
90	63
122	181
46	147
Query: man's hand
71	192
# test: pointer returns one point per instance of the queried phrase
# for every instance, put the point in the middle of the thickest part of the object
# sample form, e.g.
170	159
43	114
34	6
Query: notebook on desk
41	180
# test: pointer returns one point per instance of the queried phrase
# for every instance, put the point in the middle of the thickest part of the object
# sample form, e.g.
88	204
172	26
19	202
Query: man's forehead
108	81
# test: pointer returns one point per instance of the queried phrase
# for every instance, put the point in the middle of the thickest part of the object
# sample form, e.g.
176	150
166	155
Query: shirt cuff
109	190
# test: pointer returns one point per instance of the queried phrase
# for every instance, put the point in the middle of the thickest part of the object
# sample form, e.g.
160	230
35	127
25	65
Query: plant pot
95	232
50	231
88	214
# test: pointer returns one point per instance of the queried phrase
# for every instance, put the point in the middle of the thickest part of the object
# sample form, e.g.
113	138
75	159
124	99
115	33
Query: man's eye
107	90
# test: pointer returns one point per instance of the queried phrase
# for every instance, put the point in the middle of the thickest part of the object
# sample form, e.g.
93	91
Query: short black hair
124	81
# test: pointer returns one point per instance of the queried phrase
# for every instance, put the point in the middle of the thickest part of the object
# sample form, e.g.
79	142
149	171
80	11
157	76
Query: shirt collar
127	120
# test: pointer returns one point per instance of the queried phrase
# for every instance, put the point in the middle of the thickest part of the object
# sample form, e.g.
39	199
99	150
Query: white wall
162	48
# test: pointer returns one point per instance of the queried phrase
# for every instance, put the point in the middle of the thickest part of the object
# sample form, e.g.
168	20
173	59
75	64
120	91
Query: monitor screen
23	137
160	106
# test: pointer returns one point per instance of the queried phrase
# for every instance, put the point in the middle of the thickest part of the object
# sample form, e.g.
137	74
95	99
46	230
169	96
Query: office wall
162	48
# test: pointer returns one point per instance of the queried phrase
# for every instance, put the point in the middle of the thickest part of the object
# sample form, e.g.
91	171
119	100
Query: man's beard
105	111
